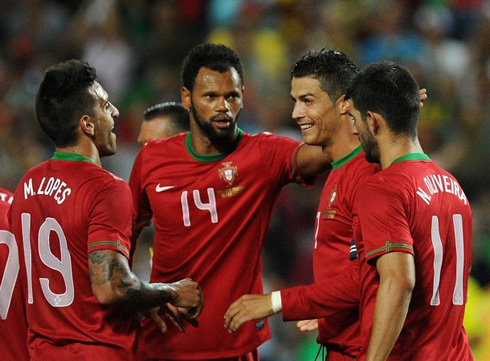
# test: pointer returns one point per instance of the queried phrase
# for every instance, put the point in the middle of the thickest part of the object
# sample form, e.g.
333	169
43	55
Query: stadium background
137	47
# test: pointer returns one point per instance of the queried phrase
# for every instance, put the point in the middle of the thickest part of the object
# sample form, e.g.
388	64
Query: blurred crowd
137	47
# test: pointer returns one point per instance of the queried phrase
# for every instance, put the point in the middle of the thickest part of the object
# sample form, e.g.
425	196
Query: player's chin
311	139
225	133
109	150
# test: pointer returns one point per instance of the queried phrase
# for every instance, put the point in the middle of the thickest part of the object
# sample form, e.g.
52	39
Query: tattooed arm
113	284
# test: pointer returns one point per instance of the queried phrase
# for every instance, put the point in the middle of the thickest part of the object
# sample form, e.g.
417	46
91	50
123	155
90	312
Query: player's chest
335	203
205	186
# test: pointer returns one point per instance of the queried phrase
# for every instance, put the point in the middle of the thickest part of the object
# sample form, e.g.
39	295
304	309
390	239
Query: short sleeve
141	205
110	218
281	155
382	220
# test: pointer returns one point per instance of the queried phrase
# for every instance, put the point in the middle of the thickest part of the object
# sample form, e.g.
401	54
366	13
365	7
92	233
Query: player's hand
307	325
187	294
423	96
158	314
247	308
190	315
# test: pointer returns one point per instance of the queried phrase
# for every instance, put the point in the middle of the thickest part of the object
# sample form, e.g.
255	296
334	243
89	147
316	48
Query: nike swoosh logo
164	188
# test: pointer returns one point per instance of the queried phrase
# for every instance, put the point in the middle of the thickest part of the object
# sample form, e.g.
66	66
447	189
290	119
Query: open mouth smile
305	126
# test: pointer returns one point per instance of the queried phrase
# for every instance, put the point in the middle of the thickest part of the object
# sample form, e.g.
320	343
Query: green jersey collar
339	163
71	157
213	157
411	156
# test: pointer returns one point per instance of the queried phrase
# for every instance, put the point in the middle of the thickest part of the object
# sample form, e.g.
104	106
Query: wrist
169	293
276	302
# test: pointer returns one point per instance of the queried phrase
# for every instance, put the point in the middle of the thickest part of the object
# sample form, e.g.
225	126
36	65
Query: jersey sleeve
4	218
323	299
382	220
6	198
281	155
141	205
110	218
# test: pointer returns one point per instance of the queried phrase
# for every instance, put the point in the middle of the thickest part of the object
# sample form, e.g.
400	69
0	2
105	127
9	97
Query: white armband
276	301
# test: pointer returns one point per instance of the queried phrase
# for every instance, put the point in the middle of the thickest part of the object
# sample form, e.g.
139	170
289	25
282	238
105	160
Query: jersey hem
166	355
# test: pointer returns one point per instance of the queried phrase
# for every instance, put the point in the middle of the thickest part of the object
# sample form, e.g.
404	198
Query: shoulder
381	185
6	196
99	180
362	169
113	181
268	139
162	142
157	147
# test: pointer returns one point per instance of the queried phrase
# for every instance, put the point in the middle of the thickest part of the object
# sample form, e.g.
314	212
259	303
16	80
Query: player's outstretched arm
311	161
113	284
321	299
248	308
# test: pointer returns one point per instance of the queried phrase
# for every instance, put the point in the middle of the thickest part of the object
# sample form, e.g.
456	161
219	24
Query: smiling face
314	112
215	103
104	139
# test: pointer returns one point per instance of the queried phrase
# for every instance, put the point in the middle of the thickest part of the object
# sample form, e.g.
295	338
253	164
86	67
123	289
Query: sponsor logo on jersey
228	173
231	192
162	188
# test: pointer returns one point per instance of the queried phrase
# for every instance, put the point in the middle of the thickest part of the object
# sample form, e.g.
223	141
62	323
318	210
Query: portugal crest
228	173
329	213
333	195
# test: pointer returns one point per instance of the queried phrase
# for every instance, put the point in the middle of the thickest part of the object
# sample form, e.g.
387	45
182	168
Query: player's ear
373	121
243	89
343	104
185	95
87	125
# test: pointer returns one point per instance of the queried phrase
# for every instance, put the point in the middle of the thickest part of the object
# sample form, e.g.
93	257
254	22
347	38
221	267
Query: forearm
323	299
311	161
298	303
396	281
132	294
115	285
392	302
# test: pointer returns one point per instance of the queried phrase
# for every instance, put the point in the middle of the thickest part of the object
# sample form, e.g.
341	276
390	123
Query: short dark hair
176	111
63	98
217	57
390	90
333	69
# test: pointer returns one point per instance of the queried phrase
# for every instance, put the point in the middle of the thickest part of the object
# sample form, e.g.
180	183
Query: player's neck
396	148
202	145
342	145
88	152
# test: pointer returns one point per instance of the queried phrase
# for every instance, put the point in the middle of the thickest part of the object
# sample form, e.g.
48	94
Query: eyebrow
302	96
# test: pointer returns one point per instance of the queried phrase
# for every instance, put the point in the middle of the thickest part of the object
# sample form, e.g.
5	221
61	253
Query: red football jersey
13	324
332	247
210	214
415	206
63	209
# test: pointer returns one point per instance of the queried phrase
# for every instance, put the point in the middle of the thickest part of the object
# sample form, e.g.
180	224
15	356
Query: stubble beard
211	132
370	146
